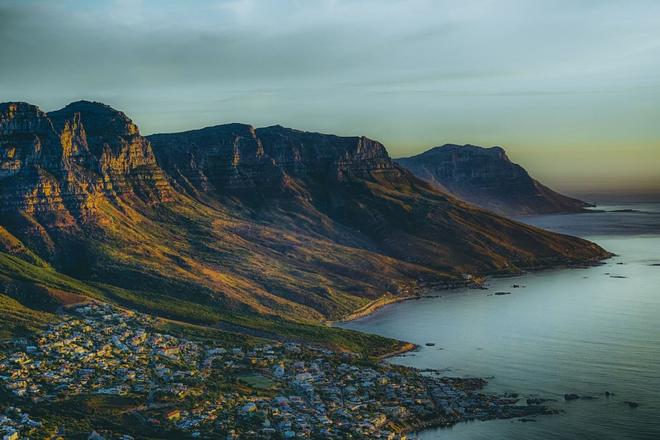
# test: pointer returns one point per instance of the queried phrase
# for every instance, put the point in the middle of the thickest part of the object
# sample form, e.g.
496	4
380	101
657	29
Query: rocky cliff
487	178
106	142
237	158
61	164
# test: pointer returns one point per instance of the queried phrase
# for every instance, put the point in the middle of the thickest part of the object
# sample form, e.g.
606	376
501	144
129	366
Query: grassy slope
37	291
174	256
18	320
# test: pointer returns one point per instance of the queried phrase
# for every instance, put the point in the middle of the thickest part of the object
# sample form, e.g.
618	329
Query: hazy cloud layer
572	88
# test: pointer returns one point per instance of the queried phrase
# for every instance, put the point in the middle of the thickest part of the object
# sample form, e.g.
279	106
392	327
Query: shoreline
377	304
371	307
478	282
420	291
407	347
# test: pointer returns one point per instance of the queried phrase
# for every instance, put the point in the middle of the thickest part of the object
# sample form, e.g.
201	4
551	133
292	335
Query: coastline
428	290
372	306
494	282
477	282
405	348
431	290
420	291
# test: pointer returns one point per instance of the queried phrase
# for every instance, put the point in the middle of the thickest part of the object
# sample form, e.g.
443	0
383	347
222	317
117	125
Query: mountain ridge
264	228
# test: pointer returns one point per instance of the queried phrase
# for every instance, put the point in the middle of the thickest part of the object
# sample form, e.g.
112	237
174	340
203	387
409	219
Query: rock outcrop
303	154
487	178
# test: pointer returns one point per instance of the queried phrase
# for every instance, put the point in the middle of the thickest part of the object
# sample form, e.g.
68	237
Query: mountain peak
288	144
63	163
467	149
99	119
23	117
212	130
486	177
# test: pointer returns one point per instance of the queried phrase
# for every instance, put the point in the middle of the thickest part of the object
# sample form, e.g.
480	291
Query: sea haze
582	331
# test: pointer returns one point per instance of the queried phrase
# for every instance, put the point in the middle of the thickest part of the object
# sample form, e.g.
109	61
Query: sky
570	88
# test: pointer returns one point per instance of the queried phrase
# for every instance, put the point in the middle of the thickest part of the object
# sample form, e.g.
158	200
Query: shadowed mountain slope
266	230
487	178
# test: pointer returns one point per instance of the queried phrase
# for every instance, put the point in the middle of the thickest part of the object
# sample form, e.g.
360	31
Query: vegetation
18	320
40	290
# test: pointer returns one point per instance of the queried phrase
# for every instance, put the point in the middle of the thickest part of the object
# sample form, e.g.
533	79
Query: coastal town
173	387
13	421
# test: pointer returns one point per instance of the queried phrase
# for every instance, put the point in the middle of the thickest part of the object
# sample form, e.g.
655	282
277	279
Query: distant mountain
267	231
487	178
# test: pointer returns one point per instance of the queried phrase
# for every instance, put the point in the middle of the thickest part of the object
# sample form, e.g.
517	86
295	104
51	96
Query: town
199	389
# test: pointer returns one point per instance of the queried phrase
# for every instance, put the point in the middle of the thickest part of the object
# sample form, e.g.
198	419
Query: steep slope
487	178
348	186
52	164
265	230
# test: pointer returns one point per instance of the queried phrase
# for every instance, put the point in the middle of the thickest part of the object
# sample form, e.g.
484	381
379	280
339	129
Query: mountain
263	231
487	178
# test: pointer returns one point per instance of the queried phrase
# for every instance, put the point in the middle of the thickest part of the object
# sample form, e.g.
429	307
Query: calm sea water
583	331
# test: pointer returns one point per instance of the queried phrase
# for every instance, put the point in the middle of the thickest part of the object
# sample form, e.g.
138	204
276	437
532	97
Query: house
248	408
278	371
173	415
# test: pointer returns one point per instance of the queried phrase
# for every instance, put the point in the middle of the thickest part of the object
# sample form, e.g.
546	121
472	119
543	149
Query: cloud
126	44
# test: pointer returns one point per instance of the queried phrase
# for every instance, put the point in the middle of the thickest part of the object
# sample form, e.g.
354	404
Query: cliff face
227	158
34	177
232	222
487	178
239	159
308	155
61	164
107	143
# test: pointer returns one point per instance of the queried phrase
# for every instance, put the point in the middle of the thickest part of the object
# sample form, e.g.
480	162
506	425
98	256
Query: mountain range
487	178
267	231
